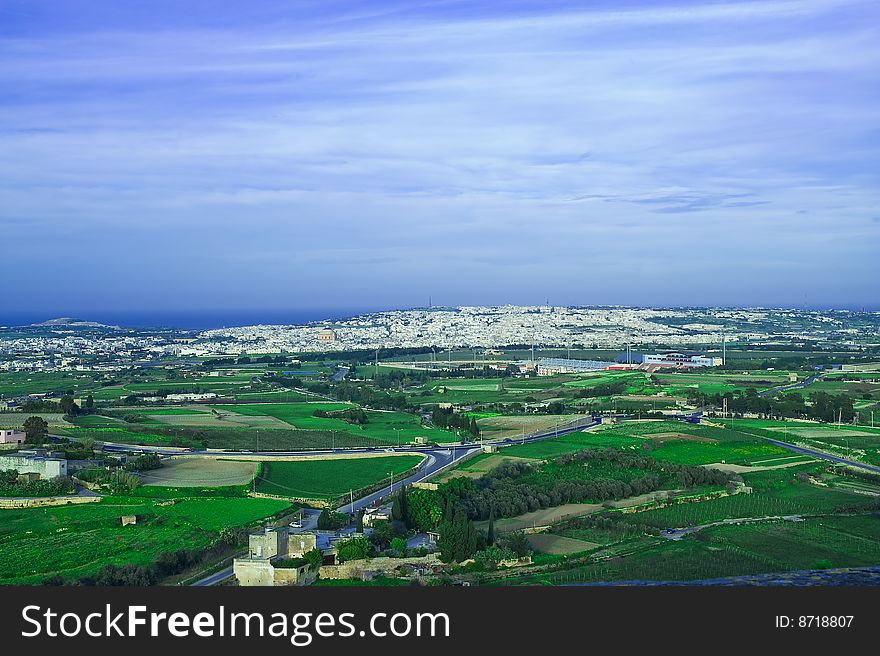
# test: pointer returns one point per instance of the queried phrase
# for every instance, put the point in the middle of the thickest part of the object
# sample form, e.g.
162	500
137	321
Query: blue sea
194	320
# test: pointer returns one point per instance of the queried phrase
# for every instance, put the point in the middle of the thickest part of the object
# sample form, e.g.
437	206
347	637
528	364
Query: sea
188	320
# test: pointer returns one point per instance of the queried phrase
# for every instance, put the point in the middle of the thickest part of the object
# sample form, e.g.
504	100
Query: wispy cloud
382	144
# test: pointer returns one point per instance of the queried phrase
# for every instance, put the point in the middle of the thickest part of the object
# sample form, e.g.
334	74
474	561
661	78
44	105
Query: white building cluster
483	327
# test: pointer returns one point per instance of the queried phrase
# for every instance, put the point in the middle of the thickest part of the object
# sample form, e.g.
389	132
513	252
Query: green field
704	453
328	479
794	498
77	540
384	426
726	551
557	446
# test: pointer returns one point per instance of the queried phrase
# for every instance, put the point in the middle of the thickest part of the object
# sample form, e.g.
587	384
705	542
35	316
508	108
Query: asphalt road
823	456
793	386
437	459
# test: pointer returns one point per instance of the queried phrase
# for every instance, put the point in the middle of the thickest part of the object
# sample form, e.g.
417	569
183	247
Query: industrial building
550	366
671	359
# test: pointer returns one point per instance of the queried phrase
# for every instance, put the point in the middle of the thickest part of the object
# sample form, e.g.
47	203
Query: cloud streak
331	155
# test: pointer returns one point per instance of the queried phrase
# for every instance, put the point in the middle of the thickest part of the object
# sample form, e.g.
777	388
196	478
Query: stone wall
356	569
261	572
253	572
42	502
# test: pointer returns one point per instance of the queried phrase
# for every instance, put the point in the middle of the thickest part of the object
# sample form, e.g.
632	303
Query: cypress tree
404	507
490	533
397	507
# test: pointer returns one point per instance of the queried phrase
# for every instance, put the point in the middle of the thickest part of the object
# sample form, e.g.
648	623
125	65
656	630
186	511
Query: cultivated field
385	426
200	472
328	479
558	545
504	426
75	541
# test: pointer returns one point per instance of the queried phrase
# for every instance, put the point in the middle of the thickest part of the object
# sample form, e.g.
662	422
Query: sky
161	156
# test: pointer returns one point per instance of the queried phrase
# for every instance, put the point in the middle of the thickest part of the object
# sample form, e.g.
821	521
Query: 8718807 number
814	621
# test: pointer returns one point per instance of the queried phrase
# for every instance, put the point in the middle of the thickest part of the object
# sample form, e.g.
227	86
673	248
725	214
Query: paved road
437	459
793	386
679	533
823	455
215	578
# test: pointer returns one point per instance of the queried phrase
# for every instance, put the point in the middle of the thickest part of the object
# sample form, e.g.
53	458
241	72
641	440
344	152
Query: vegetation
11	486
329	479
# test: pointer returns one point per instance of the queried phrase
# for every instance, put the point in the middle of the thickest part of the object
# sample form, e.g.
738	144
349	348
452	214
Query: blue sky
169	155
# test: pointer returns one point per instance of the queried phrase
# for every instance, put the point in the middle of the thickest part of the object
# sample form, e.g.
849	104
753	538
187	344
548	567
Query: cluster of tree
81	450
556	408
830	408
69	406
417	508
144	462
512	546
685	475
819	406
355	416
356	547
388	535
399	378
503	493
36	430
314	557
330	521
606	389
366	395
40	405
10	486
458	539
243	359
216	362
287	382
482	372
448	419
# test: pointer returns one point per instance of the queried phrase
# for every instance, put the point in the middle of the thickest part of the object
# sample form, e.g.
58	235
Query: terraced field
78	540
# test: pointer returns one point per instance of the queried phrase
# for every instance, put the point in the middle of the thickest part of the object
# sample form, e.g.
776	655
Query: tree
144	462
330	521
90	402
314	558
424	511
382	534
490	532
36	430
69	406
458	536
518	543
354	548
359	525
399	507
399	546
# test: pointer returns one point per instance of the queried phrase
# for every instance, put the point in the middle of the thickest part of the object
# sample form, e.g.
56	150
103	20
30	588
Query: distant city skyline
202	158
220	318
